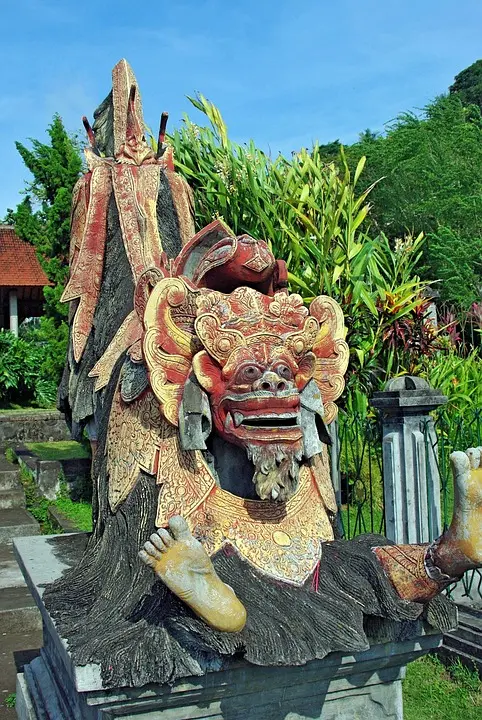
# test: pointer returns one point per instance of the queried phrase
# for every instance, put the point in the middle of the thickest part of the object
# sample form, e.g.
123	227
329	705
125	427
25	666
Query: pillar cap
409	395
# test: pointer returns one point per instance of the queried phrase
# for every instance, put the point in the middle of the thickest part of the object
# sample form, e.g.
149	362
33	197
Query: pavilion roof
19	265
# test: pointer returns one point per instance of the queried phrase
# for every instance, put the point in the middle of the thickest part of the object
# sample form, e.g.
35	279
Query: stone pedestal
411	479
341	687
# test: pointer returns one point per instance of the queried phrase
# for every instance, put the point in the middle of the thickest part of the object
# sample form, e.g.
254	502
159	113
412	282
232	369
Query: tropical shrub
29	368
458	377
52	341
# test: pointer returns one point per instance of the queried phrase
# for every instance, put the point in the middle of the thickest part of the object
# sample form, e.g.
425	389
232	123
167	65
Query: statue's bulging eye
284	371
249	373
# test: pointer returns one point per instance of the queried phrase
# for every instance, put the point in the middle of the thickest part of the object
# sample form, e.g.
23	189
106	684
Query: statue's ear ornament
331	351
169	341
315	433
195	421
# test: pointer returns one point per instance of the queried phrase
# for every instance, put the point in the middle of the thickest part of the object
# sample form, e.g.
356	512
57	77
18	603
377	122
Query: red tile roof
19	265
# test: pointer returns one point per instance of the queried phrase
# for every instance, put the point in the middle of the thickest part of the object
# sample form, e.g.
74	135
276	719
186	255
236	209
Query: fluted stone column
410	471
13	310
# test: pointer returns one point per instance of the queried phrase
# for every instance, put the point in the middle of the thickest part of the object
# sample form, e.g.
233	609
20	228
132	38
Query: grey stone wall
35	426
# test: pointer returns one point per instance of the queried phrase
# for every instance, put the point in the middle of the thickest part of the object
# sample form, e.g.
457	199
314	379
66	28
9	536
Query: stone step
8	475
471	617
451	655
13	498
453	641
471	634
16	651
10	573
18	612
17	522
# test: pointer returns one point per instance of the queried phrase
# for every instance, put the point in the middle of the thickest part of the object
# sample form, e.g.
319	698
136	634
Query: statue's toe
179	528
474	457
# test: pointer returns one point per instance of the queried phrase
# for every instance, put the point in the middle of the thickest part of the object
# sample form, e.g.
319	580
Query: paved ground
20	623
17	649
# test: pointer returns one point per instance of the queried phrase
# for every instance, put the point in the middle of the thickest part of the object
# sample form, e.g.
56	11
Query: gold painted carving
185	479
168	343
282	540
133	441
331	351
123	79
78	217
129	332
136	190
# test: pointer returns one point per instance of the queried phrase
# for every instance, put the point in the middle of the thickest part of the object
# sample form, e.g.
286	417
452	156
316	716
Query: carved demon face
246	366
255	397
255	364
255	403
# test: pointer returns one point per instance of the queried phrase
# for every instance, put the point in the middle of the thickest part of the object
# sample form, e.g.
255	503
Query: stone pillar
410	471
335	459
13	308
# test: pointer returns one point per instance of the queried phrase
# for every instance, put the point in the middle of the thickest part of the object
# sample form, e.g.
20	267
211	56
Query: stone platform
341	687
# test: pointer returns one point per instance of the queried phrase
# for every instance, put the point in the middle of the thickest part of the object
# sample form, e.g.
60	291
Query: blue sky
282	73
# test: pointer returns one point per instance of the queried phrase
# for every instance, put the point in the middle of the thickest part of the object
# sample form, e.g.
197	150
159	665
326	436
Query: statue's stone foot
182	563
460	548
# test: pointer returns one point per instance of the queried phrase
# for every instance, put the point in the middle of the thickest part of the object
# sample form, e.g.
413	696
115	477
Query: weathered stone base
341	687
367	685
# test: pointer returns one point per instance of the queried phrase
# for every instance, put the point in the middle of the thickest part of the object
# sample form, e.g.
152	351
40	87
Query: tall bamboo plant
315	218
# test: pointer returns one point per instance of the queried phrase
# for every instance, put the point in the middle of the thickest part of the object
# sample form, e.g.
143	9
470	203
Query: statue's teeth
274	494
238	419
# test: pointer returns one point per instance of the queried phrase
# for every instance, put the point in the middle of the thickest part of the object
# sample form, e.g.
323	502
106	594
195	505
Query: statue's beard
276	469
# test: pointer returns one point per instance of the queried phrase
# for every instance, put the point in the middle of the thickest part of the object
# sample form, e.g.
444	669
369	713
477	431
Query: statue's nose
271	382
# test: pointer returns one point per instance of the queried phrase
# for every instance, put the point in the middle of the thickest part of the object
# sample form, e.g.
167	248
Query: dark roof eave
21	284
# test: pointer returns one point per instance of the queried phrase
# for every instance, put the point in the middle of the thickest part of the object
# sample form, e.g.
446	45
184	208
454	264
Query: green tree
43	217
468	85
429	169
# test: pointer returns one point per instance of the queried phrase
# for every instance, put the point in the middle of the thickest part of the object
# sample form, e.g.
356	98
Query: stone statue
206	388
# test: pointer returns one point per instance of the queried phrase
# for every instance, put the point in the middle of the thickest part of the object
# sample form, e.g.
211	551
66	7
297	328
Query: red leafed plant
450	327
412	336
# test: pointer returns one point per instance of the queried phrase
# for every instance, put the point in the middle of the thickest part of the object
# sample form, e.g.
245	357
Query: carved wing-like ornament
331	352
170	341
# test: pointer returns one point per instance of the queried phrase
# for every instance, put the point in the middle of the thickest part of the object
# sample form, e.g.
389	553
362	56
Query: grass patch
61	450
14	409
11	456
79	512
10	700
36	504
433	692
